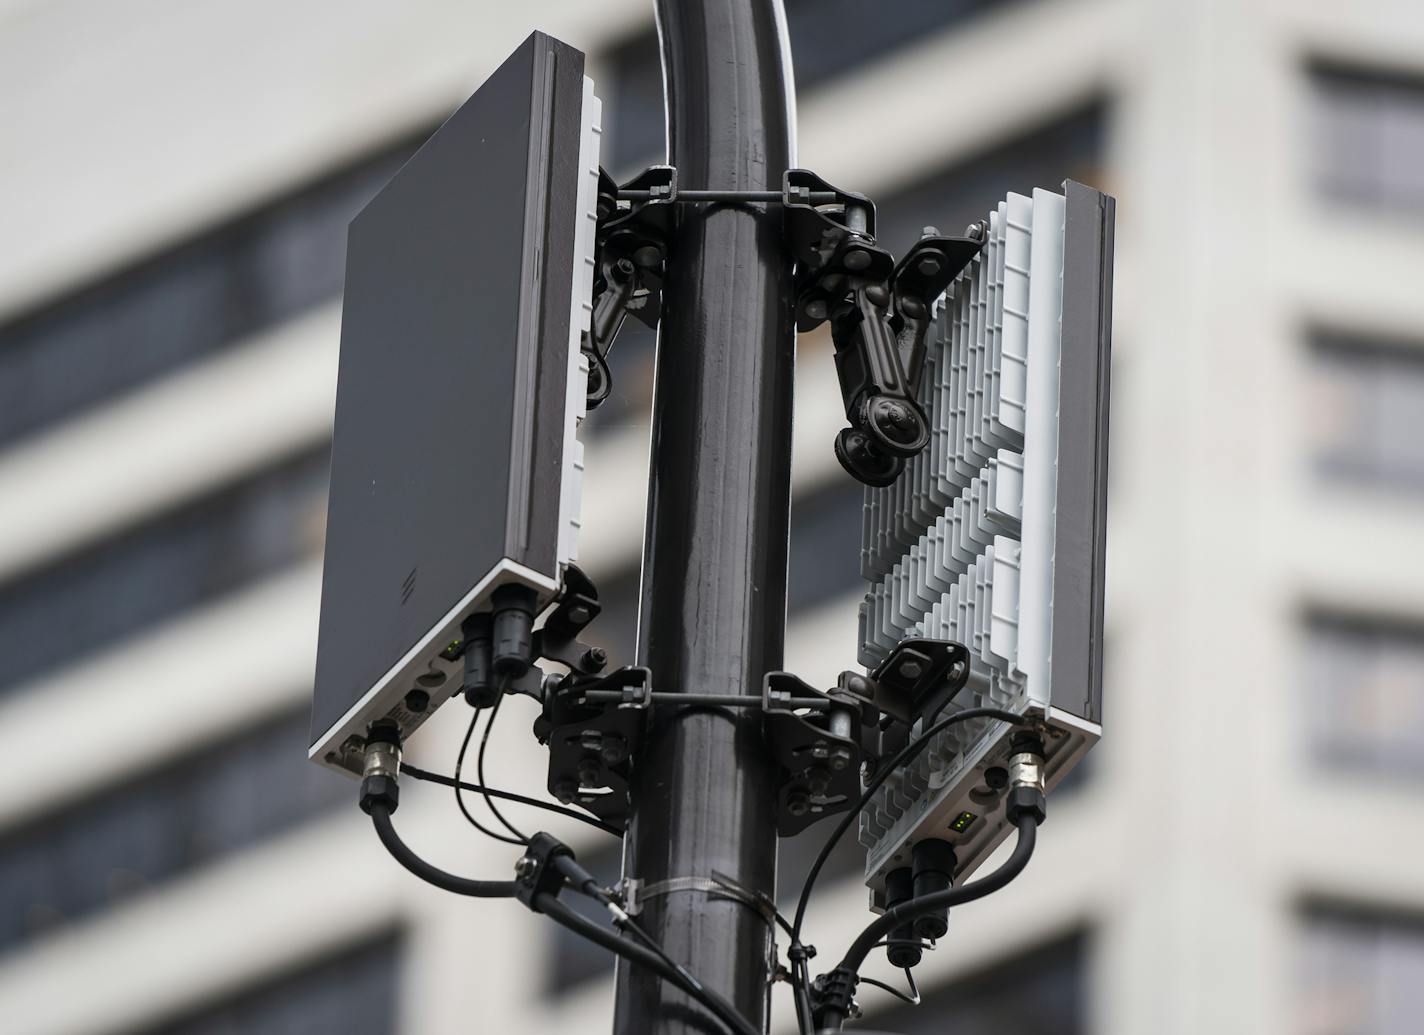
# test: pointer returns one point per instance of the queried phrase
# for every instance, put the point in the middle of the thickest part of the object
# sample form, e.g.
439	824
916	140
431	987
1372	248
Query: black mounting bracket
630	256
592	744
819	752
919	678
879	312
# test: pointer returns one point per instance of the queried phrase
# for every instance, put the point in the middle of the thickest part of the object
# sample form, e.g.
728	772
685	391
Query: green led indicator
962	821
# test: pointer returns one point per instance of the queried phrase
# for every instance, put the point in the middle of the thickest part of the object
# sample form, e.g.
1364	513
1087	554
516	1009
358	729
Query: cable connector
833	999
1026	796
380	769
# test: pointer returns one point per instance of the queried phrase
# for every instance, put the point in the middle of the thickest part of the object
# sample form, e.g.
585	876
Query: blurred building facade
175	180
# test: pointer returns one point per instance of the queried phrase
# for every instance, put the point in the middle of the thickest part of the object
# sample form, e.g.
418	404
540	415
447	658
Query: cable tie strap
636	892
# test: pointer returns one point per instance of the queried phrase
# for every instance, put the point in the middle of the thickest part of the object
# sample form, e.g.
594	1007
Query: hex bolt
818	780
798	803
928	266
614	750
565	789
858	259
595	658
624	267
910	668
579	615
840	759
589	772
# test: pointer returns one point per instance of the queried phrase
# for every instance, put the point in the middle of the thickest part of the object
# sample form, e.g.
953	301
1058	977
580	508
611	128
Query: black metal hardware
591	746
629	259
879	313
819	754
919	678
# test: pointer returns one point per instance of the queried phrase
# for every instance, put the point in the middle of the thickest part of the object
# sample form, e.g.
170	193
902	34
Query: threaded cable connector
1026	794
380	769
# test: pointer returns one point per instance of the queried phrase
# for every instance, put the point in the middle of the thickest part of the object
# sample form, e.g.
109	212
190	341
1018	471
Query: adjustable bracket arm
630	253
879	313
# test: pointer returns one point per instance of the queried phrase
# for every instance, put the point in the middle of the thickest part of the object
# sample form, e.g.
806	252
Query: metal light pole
713	612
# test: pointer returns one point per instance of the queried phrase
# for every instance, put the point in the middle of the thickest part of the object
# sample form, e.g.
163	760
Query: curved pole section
713	609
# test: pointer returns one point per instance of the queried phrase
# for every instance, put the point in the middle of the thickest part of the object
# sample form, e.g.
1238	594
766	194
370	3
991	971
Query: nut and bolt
589	772
911	668
565	789
840	759
928	266
614	750
857	259
579	615
595	658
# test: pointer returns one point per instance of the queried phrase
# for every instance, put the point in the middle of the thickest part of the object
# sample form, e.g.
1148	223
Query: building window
1071	147
250	786
157	570
1366	703
1043	992
828	39
186	303
1363	413
1367	139
356	993
1360	975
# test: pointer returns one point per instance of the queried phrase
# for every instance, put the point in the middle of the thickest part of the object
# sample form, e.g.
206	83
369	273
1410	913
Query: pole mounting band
636	892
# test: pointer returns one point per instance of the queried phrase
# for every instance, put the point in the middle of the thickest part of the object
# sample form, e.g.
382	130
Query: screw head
798	803
896	421
840	760
565	789
911	668
525	866
857	259
589	772
614	750
579	614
